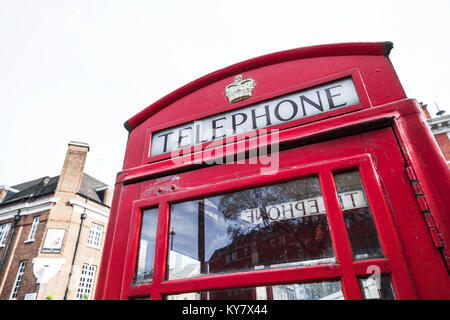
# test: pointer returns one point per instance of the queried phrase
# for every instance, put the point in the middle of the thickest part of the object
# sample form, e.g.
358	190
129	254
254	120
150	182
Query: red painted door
336	220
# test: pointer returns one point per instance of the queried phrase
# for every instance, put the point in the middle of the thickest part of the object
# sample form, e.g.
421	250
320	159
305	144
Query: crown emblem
239	89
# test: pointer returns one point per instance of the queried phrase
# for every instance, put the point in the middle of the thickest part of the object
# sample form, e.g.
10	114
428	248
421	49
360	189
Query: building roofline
439	124
8	188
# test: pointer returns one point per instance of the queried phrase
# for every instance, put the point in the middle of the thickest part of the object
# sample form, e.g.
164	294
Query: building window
234	255
86	282
33	228
4	229
18	280
95	235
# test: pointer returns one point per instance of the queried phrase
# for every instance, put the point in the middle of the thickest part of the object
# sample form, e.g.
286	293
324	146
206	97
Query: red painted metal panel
350	285
118	232
107	253
379	202
431	278
189	185
275	73
389	164
423	154
353	73
330	50
380	137
328	128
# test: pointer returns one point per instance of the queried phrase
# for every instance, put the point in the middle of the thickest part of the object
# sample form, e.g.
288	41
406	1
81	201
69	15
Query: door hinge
424	209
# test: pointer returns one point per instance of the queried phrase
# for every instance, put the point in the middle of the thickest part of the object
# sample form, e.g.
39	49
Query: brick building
440	127
52	233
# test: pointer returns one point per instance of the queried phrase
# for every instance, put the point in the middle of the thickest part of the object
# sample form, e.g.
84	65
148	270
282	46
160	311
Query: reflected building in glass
265	227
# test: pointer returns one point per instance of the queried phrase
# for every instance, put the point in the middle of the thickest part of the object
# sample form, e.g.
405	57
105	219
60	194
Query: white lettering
199	310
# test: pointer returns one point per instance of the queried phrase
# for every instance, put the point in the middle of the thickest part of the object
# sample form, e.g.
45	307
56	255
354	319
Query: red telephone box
303	174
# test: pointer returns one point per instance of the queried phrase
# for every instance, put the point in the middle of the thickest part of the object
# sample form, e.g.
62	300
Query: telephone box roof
339	49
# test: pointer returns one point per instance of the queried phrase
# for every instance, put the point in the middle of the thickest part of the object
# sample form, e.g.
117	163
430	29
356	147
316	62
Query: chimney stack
72	171
3	192
425	110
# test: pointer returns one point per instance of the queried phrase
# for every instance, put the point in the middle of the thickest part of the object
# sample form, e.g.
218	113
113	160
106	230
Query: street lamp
171	234
16	218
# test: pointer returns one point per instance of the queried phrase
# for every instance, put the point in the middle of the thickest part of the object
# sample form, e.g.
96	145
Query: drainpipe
82	217
5	252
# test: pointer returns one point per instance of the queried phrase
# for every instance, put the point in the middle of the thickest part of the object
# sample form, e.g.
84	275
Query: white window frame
19	276
4	230
87	279
95	236
34	226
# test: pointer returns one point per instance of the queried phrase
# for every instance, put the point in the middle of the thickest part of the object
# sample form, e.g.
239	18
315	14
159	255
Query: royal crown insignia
239	89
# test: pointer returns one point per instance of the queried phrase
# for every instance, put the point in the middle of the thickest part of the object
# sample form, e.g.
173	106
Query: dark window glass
264	227
377	288
140	298
305	291
146	254
357	215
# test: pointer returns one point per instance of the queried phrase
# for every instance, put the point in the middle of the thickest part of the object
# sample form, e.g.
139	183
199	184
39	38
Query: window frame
346	269
135	281
18	280
84	281
33	230
93	230
4	232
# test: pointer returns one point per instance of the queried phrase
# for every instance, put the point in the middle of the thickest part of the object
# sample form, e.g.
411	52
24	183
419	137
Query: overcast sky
77	70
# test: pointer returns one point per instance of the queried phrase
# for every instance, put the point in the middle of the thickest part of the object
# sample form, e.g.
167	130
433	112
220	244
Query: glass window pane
146	254
357	215
264	227
377	288
309	291
140	298
304	291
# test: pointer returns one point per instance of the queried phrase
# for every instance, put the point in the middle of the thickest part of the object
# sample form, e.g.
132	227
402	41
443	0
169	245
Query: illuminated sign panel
301	104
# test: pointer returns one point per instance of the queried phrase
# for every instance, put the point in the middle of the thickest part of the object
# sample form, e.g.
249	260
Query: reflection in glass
377	288
140	298
309	291
146	254
357	216
265	227
305	291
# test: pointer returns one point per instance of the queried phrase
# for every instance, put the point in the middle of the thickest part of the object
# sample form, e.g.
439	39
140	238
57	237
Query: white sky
77	70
